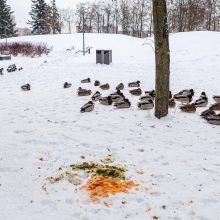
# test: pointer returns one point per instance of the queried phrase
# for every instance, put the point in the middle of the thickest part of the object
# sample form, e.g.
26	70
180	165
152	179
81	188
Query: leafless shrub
26	48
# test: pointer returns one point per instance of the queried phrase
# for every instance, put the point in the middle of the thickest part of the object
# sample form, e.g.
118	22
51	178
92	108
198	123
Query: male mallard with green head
125	103
96	96
134	84
146	105
88	107
201	102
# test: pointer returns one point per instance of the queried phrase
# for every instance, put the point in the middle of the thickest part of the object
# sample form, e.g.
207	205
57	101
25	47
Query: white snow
178	154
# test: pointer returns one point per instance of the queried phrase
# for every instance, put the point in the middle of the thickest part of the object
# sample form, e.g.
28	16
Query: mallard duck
146	98
151	93
202	102
120	86
88	107
183	98
190	108
185	92
146	105
105	100
104	86
213	119
125	103
96	83
215	107
134	84
136	92
84	92
172	103
67	85
1	71
26	87
96	96
217	98
207	113
12	68
118	98
88	80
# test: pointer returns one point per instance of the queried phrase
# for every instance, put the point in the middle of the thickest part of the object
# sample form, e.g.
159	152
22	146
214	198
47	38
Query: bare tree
108	11
125	16
91	16
135	17
115	16
67	18
162	57
97	22
212	15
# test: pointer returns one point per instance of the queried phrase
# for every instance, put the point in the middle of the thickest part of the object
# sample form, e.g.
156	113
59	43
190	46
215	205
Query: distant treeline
134	17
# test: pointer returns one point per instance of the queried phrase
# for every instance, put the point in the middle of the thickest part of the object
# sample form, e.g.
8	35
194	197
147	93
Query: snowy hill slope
178	154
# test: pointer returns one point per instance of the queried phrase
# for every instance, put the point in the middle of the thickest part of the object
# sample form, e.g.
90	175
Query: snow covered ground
42	130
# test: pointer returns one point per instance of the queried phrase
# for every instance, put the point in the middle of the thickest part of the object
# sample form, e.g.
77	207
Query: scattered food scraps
105	180
101	170
104	187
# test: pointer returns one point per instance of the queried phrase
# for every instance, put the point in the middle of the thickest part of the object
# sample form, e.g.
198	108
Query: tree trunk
162	57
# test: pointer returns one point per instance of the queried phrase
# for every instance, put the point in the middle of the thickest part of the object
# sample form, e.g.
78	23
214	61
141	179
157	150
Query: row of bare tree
190	15
135	17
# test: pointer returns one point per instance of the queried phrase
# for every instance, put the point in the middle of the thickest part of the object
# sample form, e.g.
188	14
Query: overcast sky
21	9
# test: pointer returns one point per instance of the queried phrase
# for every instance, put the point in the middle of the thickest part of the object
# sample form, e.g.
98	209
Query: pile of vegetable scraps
104	180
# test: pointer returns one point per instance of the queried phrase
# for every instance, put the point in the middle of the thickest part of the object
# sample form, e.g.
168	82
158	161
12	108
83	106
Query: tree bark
162	57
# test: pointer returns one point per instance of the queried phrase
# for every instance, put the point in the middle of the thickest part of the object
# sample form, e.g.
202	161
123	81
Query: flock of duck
185	97
146	102
11	68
